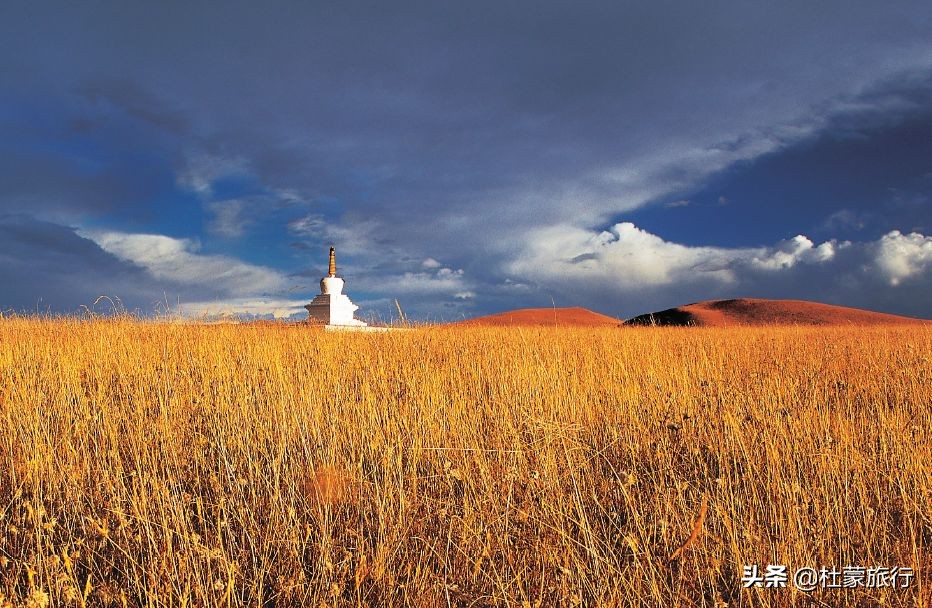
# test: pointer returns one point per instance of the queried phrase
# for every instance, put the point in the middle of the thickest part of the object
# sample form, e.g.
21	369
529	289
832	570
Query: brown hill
562	317
745	311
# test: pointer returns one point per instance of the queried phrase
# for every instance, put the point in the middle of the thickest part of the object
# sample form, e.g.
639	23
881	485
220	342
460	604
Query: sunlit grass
149	464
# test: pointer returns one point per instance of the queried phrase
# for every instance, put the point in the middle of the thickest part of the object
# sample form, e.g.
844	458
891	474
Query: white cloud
352	238
277	308
289	196
444	280
201	170
309	225
799	249
626	258
902	256
680	166
625	255
177	260
431	281
229	218
845	219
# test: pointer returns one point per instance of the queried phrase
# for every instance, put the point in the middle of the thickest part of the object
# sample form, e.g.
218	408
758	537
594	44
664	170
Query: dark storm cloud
412	131
479	97
77	156
128	97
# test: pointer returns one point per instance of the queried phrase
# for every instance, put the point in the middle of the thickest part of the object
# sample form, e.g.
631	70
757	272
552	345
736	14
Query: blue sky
465	159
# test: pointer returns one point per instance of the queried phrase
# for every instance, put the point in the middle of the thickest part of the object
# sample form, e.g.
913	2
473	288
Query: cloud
845	219
133	100
678	168
229	218
352	235
440	281
201	169
625	255
634	103
47	266
625	261
312	224
178	261
789	253
243	307
901	257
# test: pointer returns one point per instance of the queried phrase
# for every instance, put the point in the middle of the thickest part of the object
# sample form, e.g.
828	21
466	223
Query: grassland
150	464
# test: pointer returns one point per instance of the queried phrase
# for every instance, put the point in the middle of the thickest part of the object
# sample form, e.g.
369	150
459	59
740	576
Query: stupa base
333	310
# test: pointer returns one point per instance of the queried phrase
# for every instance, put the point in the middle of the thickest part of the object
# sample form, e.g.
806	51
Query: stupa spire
333	262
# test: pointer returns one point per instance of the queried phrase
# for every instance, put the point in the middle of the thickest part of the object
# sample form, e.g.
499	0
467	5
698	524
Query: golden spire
333	263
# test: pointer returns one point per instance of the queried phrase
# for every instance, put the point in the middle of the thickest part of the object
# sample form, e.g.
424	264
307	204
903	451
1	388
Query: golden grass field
158	464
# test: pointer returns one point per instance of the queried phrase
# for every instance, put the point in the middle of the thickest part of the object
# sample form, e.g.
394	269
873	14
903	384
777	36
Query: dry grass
156	464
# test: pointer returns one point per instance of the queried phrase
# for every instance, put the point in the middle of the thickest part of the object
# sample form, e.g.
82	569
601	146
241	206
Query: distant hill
562	317
744	311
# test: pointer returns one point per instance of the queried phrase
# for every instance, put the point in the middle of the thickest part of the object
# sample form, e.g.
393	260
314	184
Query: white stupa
331	307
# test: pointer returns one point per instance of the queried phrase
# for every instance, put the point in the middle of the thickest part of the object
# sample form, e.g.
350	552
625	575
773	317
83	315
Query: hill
562	317
746	311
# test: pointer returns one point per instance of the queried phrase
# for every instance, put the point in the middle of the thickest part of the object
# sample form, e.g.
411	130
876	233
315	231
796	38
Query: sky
463	158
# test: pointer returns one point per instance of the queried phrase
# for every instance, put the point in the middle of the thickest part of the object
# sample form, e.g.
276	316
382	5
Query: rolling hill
560	317
746	311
